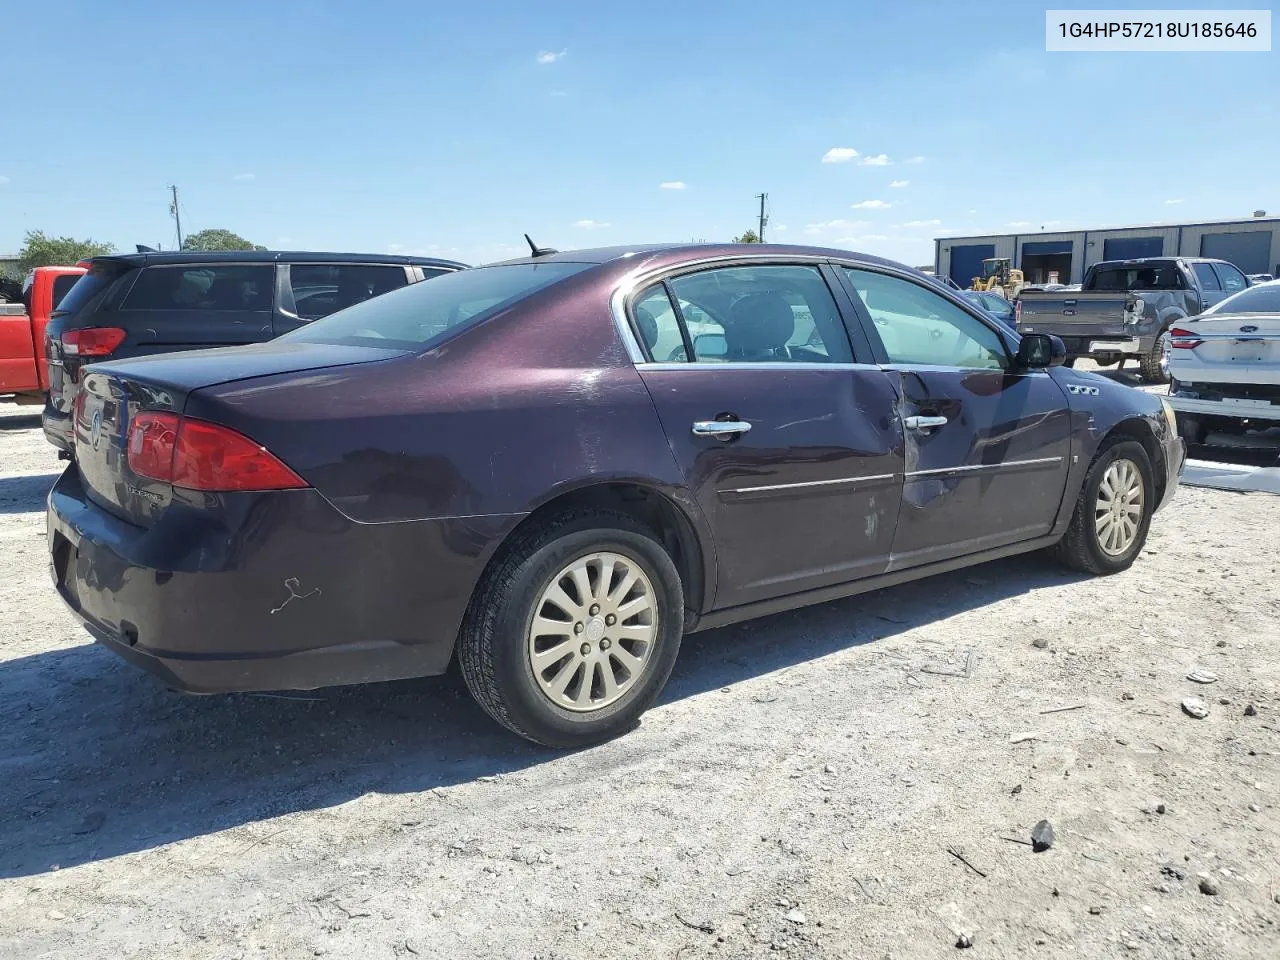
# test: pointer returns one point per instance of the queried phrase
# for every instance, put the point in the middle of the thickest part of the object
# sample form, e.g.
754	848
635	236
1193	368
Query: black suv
132	305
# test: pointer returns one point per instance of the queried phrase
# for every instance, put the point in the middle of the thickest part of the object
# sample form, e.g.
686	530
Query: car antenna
143	248
537	251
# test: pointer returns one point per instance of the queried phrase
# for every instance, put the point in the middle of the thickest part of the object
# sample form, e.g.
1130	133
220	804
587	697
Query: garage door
1249	250
1130	248
1038	248
966	262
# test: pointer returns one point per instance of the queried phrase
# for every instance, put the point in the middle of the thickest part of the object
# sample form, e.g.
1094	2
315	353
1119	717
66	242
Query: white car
1225	365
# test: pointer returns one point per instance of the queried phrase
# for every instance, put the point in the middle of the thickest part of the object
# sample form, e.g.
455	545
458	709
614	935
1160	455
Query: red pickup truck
24	374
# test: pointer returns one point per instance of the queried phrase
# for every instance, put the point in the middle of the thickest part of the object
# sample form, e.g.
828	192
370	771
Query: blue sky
452	130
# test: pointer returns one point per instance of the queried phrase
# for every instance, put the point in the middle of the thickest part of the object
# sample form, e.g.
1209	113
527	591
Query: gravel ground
808	785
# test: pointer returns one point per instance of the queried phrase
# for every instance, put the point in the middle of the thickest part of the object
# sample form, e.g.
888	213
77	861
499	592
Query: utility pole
763	219
177	218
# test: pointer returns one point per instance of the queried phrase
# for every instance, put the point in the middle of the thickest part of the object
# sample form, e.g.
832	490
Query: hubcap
593	631
1118	511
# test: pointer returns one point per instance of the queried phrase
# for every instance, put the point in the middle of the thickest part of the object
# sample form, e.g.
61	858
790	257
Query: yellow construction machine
999	276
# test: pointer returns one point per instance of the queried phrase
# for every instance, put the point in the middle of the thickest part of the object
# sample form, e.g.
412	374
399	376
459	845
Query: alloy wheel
592	633
1165	345
1118	509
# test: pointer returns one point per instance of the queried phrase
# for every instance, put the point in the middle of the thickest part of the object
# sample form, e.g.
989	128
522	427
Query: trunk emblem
1248	328
95	430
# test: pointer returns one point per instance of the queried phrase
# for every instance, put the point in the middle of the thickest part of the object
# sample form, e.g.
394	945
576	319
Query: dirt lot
807	786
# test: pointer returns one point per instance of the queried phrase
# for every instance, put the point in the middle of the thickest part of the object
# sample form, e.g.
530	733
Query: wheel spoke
560	682
610	681
583	699
545	658
627	659
556	595
546	627
607	565
624	586
582	580
633	631
634	606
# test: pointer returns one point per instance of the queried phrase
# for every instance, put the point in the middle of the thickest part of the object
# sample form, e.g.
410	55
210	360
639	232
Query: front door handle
725	429
924	423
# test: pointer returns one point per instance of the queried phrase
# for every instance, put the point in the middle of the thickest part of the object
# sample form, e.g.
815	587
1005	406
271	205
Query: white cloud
243	176
863	238
923	223
839	155
549	56
872	205
1178	200
915	159
591	224
879	160
4	179
779	228
1018	223
973	211
559	93
672	185
899	184
825	225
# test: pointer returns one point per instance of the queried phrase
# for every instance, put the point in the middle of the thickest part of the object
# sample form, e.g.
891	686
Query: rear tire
498	642
1192	429
1155	365
1093	545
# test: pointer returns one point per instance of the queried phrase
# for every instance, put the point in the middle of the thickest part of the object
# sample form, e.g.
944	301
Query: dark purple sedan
554	468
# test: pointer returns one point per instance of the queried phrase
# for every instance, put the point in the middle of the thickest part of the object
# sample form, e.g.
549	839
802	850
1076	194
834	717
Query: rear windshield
1159	276
1263	299
415	315
99	278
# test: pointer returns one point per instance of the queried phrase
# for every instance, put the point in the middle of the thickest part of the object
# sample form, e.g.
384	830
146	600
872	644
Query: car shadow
100	760
26	494
21	421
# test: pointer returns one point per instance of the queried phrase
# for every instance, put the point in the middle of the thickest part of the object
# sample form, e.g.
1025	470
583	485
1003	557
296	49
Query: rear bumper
1084	346
57	427
1236	409
270	592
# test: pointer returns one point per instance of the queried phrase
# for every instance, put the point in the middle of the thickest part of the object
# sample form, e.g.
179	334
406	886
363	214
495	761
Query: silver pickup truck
1124	308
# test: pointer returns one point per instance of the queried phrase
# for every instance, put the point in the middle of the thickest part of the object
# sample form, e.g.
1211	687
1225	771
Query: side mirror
1036	351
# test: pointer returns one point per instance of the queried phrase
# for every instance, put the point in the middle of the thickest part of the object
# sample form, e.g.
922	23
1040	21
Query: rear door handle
924	423
720	428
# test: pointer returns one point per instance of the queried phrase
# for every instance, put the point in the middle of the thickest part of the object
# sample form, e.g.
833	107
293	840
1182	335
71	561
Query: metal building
1253	245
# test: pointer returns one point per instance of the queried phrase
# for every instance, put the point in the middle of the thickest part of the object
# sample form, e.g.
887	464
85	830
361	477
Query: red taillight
1181	339
92	341
199	455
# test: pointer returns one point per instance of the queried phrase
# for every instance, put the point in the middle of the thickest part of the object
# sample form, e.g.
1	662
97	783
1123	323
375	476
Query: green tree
207	241
40	250
749	237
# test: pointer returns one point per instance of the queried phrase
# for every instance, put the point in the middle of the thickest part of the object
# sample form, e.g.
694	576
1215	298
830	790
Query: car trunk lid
112	395
1246	341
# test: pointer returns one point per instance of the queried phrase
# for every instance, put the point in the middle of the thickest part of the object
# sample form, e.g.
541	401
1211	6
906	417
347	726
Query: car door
1233	281
309	291
1210	286
791	447
987	446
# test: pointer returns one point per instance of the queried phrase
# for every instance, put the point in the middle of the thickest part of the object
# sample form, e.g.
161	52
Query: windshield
413	316
1261	299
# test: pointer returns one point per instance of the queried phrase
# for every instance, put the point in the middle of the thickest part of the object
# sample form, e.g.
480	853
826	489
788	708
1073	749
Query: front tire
1113	512
574	630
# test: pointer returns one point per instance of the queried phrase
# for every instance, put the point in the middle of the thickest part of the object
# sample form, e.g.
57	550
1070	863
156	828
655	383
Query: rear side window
320	289
412	317
240	287
62	285
1208	279
1164	276
1233	280
1261	299
90	289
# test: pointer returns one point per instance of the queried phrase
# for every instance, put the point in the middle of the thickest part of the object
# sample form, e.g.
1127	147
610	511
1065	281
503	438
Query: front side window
1208	279
412	317
760	314
320	289
919	326
1233	280
213	286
